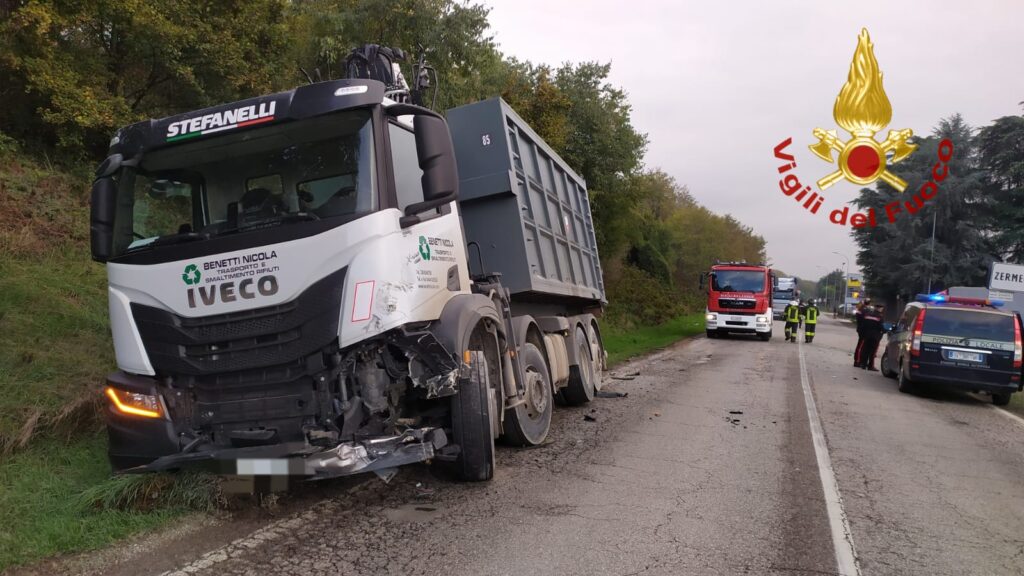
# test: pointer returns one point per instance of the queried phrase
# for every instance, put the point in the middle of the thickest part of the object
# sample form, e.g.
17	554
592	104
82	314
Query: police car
964	343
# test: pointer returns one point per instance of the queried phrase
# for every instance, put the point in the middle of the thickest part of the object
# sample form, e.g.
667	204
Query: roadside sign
1000	295
1007	277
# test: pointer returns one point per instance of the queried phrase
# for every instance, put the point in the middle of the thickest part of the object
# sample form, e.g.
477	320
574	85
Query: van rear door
974	345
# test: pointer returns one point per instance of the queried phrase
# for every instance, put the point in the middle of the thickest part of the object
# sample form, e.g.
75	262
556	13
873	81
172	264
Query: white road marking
842	537
1008	414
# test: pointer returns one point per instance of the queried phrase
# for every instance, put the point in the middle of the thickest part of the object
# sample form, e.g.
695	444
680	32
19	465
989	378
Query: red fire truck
739	299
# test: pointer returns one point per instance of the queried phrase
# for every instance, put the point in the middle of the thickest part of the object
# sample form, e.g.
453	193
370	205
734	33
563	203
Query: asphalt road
708	466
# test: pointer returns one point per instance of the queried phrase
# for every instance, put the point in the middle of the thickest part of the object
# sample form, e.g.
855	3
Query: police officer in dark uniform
872	329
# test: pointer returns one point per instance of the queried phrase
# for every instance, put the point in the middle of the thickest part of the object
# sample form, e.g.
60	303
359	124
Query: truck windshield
738	281
293	172
782	295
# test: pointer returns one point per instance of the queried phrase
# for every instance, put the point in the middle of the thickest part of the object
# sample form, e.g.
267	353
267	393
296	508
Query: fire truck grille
737	304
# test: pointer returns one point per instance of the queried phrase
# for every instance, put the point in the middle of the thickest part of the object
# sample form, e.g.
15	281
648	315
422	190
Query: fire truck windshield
738	281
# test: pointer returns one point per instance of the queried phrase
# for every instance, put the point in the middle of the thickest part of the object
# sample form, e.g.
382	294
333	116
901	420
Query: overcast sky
716	85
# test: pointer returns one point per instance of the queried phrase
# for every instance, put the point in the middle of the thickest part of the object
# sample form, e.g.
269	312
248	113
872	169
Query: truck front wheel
527	424
471	423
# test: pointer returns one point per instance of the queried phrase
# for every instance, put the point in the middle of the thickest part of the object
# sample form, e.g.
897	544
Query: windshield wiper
171	239
179	238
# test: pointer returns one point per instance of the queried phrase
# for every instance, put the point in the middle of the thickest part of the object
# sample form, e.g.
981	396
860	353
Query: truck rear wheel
581	378
1001	398
471	423
527	424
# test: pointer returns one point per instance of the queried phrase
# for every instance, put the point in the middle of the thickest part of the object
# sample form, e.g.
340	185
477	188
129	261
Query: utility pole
846	275
931	256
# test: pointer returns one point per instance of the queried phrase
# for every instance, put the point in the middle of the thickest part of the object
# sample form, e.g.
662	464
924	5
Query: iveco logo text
231	291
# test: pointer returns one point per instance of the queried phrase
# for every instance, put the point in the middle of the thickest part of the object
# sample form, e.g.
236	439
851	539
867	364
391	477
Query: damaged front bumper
312	462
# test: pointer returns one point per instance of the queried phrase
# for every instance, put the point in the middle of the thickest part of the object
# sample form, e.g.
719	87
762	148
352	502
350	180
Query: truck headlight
761	319
711	317
135	404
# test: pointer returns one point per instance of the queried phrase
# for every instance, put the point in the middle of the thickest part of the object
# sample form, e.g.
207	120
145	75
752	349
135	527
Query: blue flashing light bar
958	300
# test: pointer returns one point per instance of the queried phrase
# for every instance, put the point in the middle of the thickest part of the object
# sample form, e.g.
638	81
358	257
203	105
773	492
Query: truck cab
739	297
290	294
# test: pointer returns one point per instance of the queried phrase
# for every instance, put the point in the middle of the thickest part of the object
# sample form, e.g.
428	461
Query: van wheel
527	424
581	378
903	383
1001	399
884	365
471	423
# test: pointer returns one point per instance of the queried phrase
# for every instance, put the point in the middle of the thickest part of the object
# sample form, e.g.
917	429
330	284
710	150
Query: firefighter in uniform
810	321
792	315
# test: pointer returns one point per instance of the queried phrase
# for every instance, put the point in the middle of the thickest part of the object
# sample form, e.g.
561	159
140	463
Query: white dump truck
328	281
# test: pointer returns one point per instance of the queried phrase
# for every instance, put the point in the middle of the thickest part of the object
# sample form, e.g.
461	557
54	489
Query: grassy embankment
56	493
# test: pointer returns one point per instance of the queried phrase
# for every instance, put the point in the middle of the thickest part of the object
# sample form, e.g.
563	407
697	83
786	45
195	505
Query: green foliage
54	336
42	508
896	257
636	298
1001	155
78	70
623	344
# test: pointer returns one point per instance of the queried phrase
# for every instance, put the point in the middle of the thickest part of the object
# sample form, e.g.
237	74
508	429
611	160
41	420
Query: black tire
1001	398
471	423
528	423
765	336
903	383
581	378
712	333
883	364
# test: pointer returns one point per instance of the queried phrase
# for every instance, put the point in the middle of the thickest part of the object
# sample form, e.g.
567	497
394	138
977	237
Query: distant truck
327	281
785	291
739	299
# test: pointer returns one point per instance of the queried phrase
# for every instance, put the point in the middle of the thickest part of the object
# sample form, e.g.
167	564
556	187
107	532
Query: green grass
623	344
52	497
54	341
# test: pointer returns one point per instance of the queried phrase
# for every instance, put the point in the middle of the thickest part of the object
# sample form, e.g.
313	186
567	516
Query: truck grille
737	304
270	338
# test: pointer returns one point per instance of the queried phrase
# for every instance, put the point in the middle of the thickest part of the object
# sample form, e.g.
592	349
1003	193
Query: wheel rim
536	399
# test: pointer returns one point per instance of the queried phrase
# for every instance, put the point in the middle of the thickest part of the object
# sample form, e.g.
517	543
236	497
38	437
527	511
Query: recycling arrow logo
424	248
191	275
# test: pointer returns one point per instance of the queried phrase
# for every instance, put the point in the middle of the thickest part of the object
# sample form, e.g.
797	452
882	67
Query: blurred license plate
965	356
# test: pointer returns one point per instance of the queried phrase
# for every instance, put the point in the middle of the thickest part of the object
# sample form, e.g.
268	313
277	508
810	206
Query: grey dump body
524	207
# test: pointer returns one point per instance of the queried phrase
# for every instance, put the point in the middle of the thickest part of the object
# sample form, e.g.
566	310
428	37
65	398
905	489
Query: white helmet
794	303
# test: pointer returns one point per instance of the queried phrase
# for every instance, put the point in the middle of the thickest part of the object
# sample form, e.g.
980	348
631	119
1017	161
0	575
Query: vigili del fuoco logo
862	109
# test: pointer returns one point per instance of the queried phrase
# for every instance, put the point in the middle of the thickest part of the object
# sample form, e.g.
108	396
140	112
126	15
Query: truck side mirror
437	159
436	155
103	206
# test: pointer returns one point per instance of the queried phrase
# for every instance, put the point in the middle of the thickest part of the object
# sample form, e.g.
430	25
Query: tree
76	70
1001	155
897	258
